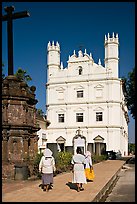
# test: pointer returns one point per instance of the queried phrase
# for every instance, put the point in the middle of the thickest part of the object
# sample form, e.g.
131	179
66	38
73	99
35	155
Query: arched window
80	70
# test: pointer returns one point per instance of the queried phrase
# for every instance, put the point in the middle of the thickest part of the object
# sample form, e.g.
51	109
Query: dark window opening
80	70
61	147
79	117
61	118
99	116
79	94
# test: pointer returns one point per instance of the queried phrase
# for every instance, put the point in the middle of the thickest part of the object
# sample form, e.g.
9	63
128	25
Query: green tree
129	89
36	162
131	147
63	161
40	112
22	75
3	75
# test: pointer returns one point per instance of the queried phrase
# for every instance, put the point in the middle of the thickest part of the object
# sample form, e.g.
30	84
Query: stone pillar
15	146
25	148
24	120
32	148
36	138
4	146
94	148
35	116
99	149
5	112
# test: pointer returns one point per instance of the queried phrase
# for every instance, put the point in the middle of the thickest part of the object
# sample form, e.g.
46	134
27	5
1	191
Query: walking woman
89	172
47	167
78	161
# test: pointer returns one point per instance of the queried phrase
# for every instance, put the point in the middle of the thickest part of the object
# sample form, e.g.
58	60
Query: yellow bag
92	175
89	174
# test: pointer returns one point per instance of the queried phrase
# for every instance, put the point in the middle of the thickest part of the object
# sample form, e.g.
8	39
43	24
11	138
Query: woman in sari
47	167
88	167
78	161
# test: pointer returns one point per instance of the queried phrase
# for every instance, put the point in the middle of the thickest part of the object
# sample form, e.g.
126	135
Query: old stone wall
19	129
8	171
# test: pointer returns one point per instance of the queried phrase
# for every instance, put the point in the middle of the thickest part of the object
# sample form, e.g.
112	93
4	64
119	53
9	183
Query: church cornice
82	80
85	102
86	127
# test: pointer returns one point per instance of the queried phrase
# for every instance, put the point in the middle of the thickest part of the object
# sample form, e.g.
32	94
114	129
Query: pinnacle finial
61	66
85	51
90	55
80	53
49	44
57	44
99	62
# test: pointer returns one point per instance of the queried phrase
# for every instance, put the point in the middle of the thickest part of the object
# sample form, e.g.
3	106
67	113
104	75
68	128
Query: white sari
78	161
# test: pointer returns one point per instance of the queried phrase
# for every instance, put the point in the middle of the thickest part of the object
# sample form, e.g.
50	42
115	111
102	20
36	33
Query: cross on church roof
9	17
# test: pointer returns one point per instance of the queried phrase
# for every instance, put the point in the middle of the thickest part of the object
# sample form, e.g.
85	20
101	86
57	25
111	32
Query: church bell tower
53	58
111	54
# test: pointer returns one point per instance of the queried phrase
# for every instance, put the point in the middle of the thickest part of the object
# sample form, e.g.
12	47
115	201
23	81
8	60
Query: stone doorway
99	145
61	144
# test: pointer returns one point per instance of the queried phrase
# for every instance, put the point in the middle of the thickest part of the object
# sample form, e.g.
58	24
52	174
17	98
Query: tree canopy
130	92
40	112
22	75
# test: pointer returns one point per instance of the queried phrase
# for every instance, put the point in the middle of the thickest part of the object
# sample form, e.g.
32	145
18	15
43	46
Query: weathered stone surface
19	137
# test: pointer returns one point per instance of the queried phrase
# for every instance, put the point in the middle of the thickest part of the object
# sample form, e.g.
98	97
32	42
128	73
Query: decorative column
25	147
94	147
5	145
4	112
33	148
36	138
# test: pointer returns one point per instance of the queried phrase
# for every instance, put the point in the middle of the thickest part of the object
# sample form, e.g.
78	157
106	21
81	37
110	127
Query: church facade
85	101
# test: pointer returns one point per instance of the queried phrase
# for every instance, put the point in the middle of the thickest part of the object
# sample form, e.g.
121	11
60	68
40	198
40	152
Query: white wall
102	92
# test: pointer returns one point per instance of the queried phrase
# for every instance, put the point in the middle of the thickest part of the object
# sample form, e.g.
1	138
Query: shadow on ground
72	185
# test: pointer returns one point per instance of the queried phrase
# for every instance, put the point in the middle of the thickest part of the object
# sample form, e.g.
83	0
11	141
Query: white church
85	101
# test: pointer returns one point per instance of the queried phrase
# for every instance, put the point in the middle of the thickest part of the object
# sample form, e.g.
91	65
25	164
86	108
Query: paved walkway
63	190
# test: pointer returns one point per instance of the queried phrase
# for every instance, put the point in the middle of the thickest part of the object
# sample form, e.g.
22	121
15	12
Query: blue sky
73	25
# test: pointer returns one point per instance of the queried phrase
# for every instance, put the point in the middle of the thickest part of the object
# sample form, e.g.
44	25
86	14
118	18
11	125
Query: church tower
111	54
53	58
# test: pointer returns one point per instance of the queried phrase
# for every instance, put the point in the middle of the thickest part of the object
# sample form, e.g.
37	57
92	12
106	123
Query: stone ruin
19	128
